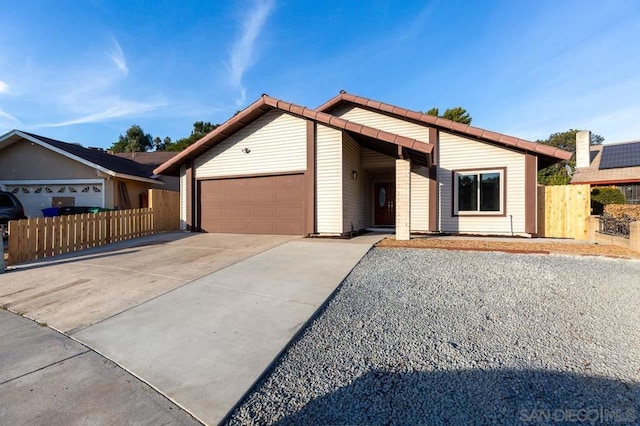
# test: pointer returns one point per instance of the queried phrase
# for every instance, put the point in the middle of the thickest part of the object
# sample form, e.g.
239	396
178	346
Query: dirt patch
513	247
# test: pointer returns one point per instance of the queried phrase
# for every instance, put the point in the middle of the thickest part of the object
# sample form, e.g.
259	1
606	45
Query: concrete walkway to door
205	343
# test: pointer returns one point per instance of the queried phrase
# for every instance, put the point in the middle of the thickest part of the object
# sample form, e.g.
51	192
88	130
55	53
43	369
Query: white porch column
403	199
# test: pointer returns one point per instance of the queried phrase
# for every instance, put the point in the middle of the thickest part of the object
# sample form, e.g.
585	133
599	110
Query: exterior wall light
354	174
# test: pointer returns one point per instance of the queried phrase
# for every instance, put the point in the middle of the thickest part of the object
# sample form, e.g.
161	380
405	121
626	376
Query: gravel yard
460	337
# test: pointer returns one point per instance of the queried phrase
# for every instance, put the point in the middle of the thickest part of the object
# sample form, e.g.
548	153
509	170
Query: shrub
601	197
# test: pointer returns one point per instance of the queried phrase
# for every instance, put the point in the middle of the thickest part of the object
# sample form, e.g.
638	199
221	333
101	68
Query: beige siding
109	194
374	160
277	143
354	192
383	122
329	180
25	160
183	197
420	199
461	153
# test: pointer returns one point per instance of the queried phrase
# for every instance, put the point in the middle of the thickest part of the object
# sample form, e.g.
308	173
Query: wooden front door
385	204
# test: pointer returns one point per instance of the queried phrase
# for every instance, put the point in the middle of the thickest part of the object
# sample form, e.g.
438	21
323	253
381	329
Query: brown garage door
256	205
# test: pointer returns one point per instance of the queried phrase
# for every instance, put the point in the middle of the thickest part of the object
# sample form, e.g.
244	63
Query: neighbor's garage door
36	197
257	205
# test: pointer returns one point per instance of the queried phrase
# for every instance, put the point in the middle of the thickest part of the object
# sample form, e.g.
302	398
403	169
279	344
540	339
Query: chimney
583	157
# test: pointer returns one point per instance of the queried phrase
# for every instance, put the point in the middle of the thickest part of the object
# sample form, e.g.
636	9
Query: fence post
3	266
634	236
107	227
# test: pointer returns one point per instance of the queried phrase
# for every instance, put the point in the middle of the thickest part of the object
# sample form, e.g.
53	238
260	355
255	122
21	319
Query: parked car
10	209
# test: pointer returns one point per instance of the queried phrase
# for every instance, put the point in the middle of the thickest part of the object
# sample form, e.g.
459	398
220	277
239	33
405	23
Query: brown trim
480	169
401	153
310	180
607	182
530	193
434	139
446	125
266	104
297	172
189	196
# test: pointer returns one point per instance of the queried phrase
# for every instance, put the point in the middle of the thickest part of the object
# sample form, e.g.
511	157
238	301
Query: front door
385	204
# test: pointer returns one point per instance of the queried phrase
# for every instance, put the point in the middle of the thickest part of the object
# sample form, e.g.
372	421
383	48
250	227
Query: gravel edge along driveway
452	337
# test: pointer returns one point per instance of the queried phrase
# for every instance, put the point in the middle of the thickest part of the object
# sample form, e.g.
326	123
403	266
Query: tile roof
267	103
111	162
447	125
594	175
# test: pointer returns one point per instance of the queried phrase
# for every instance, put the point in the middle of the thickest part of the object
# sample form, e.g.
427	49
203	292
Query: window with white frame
479	192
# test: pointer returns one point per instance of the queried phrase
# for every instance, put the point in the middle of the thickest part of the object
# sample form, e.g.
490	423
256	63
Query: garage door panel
235	197
261	198
261	184
290	228
261	227
260	205
258	213
37	196
289	198
234	227
289	212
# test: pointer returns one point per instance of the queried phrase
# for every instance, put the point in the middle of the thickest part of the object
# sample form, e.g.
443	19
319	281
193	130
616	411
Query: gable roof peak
446	125
100	160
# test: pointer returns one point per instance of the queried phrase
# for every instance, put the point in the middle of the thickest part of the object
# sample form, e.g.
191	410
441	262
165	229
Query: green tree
457	114
134	140
200	129
557	173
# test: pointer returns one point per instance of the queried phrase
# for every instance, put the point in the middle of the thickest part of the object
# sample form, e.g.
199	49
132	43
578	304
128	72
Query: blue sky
84	71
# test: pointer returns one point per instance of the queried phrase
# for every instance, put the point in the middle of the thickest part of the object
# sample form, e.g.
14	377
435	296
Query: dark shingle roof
108	161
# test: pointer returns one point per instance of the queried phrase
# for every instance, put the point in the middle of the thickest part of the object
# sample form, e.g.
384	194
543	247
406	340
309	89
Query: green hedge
601	197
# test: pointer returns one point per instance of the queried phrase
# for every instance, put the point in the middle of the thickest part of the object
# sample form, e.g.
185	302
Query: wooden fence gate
563	211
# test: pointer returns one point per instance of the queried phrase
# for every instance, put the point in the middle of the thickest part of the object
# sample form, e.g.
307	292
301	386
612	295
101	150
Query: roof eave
555	155
138	178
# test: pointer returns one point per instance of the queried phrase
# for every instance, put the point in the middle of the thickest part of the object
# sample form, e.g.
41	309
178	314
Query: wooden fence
166	210
36	238
563	211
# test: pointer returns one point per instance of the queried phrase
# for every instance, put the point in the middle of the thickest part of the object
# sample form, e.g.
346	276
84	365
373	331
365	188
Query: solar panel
621	155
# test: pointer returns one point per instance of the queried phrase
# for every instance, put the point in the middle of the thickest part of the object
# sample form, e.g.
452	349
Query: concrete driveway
74	291
48	379
205	343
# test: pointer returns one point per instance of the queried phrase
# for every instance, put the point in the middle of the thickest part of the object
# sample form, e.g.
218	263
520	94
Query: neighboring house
151	160
44	172
355	163
615	164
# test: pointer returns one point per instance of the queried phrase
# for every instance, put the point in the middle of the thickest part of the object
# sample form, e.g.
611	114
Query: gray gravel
447	337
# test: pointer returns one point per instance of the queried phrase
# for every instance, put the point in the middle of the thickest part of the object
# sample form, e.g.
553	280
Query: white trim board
50	181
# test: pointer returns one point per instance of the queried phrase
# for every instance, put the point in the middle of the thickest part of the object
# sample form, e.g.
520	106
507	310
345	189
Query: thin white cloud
117	109
8	122
4	87
116	54
242	51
